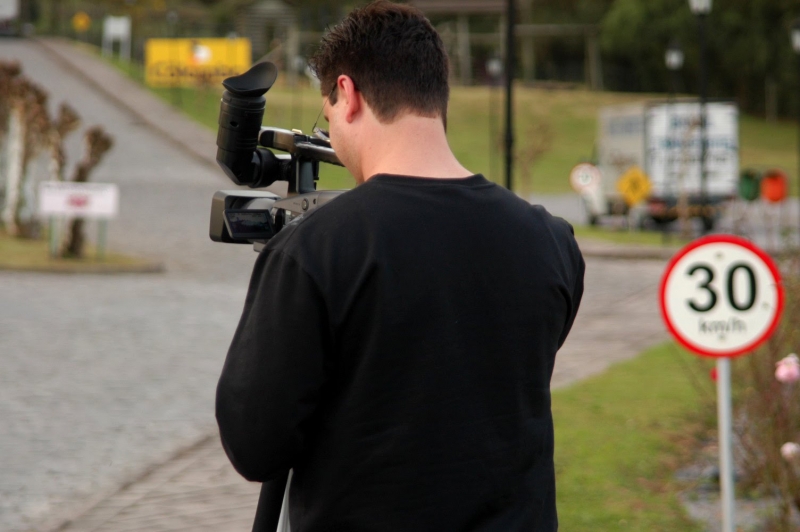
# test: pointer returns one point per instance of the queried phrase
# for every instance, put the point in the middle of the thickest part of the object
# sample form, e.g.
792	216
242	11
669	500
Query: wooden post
594	77
292	51
527	55
464	52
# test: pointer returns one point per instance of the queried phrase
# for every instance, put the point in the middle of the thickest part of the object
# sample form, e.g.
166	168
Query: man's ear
350	96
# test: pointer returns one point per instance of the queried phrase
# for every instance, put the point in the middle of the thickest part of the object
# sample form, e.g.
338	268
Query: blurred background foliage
750	52
748	44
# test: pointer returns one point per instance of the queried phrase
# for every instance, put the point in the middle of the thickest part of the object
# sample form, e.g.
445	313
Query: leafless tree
97	144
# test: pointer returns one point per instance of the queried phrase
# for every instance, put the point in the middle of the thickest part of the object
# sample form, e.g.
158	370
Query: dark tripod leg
269	504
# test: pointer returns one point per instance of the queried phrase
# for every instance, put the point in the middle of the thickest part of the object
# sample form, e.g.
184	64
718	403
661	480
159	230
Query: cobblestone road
106	379
103	376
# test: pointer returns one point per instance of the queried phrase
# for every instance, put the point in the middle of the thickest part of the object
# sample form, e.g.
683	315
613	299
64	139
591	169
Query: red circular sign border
715	239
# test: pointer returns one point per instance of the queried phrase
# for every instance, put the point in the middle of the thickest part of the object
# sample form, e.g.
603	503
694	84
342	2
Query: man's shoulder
556	223
342	213
366	208
534	214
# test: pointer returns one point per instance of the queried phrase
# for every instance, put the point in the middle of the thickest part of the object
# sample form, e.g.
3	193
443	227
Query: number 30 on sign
721	296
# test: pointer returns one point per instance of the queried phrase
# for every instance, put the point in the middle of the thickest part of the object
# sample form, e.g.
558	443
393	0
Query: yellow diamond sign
634	186
81	22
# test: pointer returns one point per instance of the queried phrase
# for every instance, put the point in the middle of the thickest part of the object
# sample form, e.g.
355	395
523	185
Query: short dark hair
395	57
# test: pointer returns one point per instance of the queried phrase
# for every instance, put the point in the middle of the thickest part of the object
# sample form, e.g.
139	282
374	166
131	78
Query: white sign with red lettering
78	200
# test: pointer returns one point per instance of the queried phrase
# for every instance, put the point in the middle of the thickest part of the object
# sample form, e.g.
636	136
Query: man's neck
411	145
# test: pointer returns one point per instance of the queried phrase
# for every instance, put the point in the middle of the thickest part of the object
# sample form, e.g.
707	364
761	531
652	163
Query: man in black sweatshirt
397	344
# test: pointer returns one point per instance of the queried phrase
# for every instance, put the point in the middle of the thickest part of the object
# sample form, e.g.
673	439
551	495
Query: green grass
765	145
33	255
619	438
625	236
475	127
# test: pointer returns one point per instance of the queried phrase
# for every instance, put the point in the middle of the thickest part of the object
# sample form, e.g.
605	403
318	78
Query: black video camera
242	216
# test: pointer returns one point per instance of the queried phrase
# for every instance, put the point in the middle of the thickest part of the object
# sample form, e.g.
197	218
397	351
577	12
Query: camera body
244	152
251	216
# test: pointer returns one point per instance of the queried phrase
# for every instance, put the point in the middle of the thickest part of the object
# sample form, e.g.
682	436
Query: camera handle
306	154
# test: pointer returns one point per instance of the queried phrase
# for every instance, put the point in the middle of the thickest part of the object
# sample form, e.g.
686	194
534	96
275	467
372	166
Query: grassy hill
475	128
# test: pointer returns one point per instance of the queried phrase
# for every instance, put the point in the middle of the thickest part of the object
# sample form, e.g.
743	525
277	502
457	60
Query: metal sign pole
510	66
703	124
53	233
102	229
798	145
725	421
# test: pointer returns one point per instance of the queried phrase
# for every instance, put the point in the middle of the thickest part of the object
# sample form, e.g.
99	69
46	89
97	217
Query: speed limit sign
721	296
585	177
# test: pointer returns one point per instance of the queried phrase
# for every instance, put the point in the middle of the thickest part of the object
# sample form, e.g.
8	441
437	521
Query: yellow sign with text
194	62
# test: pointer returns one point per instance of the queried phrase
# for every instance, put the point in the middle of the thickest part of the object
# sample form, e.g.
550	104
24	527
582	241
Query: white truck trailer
9	17
664	140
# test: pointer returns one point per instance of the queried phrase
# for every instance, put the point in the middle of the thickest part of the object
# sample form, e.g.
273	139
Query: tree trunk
14	170
74	239
97	144
771	103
